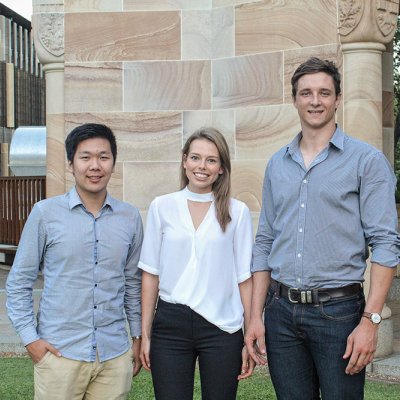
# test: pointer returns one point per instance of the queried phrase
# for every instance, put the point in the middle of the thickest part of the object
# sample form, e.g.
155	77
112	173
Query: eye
304	94
325	93
194	157
104	158
212	160
84	158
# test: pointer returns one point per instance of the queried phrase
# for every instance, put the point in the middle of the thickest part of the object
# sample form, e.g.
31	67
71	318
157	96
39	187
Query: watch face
376	318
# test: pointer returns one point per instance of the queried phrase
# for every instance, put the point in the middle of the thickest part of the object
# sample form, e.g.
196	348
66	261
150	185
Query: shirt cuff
135	328
28	335
385	257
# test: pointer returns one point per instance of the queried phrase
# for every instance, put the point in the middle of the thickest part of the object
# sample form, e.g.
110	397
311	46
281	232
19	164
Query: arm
255	335
361	344
248	363
377	186
20	282
133	283
149	299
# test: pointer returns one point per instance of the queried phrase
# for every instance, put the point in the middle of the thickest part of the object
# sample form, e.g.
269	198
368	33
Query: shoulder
166	199
122	207
52	204
357	146
238	207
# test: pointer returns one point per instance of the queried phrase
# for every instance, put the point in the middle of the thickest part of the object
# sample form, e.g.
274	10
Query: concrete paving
385	368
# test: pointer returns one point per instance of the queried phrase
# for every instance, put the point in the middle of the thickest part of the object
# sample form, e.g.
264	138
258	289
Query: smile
200	175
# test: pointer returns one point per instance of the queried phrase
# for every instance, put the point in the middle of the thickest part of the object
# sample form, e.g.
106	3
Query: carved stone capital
367	21
48	31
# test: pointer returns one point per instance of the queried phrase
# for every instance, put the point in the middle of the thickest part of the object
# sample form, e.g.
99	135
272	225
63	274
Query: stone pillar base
385	338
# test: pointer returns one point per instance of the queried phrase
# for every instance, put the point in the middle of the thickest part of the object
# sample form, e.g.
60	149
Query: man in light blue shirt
327	200
87	245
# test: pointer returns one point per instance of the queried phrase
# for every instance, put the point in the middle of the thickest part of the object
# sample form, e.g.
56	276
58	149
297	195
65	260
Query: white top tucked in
199	268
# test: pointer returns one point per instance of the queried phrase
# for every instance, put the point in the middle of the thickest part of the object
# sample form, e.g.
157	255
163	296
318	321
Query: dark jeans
305	347
179	337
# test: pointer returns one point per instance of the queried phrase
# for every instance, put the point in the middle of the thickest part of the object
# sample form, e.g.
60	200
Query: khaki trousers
59	378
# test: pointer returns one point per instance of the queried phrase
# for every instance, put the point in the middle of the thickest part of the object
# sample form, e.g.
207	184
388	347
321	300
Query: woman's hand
248	365
145	353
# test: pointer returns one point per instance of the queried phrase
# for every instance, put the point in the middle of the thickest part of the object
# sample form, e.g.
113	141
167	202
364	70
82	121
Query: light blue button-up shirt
91	280
317	224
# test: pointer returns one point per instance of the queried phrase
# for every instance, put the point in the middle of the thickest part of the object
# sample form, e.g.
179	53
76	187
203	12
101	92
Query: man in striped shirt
327	199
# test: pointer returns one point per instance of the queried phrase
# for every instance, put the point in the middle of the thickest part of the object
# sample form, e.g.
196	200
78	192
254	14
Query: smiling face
202	165
92	167
316	101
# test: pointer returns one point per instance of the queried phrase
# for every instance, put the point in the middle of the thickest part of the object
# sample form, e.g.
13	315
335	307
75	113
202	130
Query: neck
200	197
317	139
92	201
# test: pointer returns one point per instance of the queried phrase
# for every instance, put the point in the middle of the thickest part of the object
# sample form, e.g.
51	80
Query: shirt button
94	347
96	262
298	280
298	255
95	307
300	230
302	205
95	285
304	180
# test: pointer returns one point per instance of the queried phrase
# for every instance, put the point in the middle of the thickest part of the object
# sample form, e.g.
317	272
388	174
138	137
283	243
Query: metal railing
17	197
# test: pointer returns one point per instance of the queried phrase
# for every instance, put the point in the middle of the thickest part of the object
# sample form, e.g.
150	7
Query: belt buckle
290	295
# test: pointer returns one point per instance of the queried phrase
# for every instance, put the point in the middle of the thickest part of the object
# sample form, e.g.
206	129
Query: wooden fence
17	197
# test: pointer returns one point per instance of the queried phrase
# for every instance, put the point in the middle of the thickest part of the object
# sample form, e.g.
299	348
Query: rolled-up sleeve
378	210
23	275
150	255
243	241
264	237
133	280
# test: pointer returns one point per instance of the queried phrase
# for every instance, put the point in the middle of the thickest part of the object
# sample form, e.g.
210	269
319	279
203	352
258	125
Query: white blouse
199	268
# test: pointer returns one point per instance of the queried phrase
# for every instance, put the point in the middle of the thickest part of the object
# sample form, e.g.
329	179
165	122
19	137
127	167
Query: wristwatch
375	318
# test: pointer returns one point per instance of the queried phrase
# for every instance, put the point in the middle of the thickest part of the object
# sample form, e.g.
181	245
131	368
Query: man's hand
255	341
361	346
137	363
38	349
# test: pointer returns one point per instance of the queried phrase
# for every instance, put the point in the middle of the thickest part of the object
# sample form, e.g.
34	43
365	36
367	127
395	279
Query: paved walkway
10	343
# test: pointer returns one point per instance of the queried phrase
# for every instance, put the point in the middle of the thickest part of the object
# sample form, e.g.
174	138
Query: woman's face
202	165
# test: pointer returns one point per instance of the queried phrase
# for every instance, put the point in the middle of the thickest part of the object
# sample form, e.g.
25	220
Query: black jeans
179	337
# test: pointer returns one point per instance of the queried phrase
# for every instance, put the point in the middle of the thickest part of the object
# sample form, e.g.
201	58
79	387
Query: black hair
89	131
312	66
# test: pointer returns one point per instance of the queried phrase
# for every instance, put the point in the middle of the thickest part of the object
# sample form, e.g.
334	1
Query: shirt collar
337	140
75	200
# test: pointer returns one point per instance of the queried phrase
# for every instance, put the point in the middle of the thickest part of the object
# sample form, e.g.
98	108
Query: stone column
365	28
48	31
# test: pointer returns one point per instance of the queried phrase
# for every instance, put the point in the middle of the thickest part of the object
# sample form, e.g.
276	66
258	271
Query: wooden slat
17	197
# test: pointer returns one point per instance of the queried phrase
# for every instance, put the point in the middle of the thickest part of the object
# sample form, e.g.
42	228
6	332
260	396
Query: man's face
316	101
92	166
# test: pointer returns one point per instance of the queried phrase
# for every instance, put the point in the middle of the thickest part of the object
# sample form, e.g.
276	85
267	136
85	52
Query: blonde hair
221	188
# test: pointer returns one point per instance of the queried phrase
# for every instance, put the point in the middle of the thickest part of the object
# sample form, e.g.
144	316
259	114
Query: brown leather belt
314	296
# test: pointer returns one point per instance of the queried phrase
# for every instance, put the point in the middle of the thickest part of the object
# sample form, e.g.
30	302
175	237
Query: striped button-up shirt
91	280
317	224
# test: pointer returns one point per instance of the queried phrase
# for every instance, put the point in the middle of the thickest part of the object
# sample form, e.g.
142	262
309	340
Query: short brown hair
312	66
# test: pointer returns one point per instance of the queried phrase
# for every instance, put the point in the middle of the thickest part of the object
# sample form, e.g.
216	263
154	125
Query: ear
338	100
71	167
184	158
221	171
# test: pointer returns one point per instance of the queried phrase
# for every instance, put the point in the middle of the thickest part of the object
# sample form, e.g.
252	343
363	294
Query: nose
94	164
203	164
315	100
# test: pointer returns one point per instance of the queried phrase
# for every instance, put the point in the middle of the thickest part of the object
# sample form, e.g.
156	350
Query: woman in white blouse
195	259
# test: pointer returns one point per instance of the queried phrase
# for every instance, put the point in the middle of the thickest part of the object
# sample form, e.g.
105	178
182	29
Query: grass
16	383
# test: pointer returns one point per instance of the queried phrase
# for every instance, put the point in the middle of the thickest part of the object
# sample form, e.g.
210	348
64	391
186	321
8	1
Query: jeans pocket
343	309
270	300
